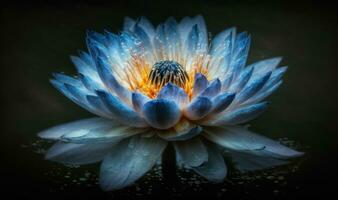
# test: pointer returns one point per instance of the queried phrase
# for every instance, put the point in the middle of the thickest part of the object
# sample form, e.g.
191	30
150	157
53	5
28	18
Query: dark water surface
38	39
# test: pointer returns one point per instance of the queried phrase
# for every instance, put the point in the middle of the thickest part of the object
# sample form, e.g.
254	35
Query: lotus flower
153	86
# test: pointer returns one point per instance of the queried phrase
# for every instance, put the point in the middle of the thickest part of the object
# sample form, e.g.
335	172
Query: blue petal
221	49
78	154
252	88
227	82
275	77
240	53
238	116
139	100
77	95
62	78
183	130
174	93
86	66
161	113
214	169
241	80
244	161
222	101
221	44
198	108
192	40
110	81
143	36
120	111
264	66
200	84
191	153
113	134
90	84
88	60
98	105
213	89
261	95
128	24
55	133
241	139
146	25
129	161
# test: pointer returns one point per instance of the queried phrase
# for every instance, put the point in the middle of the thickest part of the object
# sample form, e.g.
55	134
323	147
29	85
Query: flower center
166	71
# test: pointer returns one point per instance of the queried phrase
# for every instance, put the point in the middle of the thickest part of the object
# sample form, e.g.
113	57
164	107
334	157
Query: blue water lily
153	86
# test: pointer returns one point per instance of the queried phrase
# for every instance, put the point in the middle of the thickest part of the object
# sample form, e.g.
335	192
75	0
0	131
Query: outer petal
264	66
237	116
222	101
161	113
242	80
245	161
111	134
183	130
263	94
252	88
96	103
79	154
191	153
214	169
91	84
85	125
240	139
270	86
130	160
120	111
198	108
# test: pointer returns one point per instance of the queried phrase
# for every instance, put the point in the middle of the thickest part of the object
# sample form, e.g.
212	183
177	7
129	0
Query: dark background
37	39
